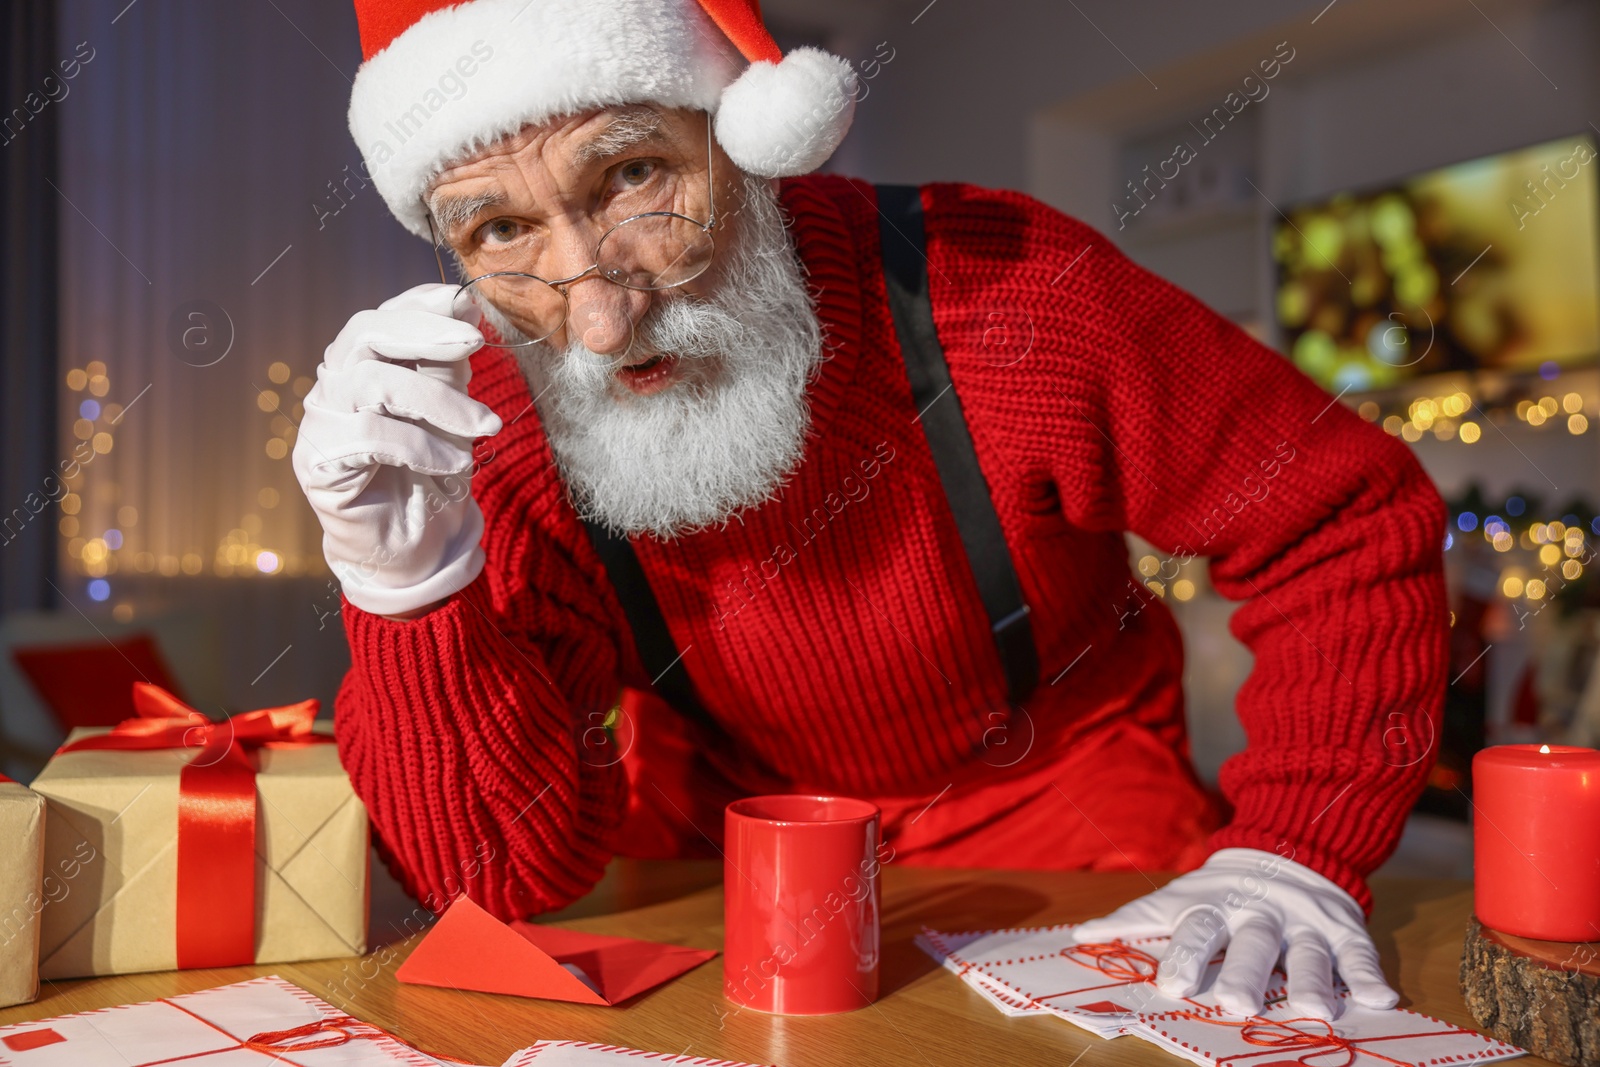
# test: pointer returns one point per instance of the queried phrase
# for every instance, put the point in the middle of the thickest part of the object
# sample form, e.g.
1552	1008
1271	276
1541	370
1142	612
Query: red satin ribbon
216	901
1284	1036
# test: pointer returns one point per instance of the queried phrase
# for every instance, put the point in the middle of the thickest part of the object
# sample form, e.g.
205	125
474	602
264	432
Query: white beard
723	437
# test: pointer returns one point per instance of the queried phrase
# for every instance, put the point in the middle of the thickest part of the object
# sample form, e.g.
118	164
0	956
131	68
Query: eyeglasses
648	251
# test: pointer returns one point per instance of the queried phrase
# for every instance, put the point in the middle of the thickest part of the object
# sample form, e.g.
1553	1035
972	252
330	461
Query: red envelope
470	949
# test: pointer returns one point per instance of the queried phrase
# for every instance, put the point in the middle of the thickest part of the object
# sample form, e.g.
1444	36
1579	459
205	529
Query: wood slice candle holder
1543	996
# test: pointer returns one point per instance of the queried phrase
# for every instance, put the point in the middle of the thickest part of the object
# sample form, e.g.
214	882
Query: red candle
1536	841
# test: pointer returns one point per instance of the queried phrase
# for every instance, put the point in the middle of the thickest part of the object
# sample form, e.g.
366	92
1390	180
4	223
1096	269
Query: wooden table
925	1016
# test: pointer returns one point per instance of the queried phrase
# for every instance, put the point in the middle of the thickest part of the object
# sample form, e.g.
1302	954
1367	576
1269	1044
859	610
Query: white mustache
677	325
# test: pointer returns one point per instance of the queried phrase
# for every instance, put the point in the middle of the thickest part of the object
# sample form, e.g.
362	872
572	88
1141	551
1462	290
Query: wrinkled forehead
564	148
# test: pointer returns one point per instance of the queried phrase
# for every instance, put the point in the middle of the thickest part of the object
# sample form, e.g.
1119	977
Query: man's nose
603	314
600	313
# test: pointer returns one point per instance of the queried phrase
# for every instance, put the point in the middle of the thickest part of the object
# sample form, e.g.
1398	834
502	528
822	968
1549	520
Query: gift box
216	843
21	887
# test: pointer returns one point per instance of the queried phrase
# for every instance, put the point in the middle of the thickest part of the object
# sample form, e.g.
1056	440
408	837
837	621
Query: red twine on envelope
280	1044
337	1031
216	900
1115	959
1284	1036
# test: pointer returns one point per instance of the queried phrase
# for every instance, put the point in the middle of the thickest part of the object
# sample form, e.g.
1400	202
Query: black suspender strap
660	655
906	276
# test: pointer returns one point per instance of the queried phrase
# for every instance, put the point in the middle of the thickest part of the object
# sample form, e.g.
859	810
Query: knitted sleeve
1161	417
474	734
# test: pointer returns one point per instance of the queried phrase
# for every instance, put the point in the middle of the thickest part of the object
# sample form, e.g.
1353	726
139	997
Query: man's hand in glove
1258	906
385	453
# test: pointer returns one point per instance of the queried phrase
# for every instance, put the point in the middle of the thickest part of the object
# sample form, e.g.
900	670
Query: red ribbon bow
216	901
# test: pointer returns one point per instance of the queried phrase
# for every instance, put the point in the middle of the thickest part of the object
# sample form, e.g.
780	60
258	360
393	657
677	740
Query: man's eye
499	231
636	172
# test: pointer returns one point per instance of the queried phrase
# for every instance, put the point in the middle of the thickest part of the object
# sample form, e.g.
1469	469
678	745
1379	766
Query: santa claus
830	481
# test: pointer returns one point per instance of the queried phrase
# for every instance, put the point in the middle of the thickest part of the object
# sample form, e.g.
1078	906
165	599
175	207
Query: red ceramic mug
801	902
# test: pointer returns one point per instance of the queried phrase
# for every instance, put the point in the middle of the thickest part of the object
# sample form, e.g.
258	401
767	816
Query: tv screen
1493	264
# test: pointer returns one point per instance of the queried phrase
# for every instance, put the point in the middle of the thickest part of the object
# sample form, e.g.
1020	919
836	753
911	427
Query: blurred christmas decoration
1525	631
1555	542
1434	273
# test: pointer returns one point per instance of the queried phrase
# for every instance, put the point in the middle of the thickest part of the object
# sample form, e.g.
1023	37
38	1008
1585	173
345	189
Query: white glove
384	453
1259	905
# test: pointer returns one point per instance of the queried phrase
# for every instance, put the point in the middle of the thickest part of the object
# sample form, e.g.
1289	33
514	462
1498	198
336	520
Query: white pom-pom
781	119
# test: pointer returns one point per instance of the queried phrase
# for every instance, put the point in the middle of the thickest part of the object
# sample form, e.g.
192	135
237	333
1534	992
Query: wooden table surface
925	1015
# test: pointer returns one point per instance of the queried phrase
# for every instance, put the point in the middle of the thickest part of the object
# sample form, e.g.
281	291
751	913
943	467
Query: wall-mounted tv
1492	264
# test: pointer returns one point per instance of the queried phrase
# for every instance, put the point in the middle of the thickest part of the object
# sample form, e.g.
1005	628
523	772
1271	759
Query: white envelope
1103	989
1108	991
213	1028
1358	1037
932	942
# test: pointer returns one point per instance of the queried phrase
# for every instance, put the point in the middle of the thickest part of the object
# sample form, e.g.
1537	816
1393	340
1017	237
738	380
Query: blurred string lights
1460	417
97	551
1535	558
1537	551
1535	555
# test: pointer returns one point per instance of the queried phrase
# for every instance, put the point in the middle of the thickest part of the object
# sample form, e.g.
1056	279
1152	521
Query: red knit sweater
836	633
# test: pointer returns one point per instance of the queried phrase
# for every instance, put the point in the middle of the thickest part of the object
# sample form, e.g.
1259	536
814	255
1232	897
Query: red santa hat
442	78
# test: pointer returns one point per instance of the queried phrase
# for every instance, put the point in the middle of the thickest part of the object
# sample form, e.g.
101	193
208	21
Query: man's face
540	201
666	410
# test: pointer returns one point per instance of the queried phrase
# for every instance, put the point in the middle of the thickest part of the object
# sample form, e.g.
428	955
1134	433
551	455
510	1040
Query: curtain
216	234
29	129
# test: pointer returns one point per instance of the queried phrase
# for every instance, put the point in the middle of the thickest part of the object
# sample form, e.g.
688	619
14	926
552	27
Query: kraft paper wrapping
120	915
21	897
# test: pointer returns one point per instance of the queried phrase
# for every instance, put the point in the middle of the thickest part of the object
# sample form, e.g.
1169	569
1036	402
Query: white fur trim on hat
462	77
787	118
